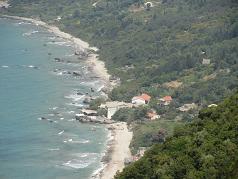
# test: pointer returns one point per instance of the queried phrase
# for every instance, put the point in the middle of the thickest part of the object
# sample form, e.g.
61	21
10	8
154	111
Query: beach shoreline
97	66
117	150
119	135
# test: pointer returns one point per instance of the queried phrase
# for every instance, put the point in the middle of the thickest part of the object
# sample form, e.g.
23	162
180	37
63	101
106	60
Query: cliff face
206	148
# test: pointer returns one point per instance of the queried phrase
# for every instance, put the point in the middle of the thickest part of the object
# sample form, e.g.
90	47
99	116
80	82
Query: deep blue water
59	147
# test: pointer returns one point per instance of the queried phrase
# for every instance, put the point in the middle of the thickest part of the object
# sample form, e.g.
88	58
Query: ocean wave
23	23
32	66
30	33
53	149
59	43
71	112
71	120
97	172
82	141
87	154
76	164
52	38
69	55
5	66
75	97
100	88
53	108
75	104
62	73
61	132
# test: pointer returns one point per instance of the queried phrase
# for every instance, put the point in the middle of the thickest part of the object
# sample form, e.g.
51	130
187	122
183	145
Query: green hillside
206	148
148	46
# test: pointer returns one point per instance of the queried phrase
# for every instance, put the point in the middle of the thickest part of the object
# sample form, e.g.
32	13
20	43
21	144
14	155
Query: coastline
118	150
120	137
98	67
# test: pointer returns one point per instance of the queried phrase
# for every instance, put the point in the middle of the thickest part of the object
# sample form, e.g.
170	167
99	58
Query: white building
137	100
114	106
140	100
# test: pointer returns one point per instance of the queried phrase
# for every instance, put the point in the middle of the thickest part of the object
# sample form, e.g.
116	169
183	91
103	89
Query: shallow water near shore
39	137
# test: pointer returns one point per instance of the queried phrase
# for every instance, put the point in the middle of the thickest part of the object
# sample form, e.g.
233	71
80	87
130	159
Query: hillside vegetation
147	47
187	49
206	148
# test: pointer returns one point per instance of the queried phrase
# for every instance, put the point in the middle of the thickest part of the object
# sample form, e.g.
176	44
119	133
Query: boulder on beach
76	73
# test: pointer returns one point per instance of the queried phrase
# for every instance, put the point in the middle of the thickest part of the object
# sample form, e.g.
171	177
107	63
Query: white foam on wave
61	132
52	38
76	164
69	55
32	66
71	112
100	88
82	141
97	172
53	149
71	120
23	23
30	33
5	66
75	104
53	108
75	97
60	43
91	83
88	154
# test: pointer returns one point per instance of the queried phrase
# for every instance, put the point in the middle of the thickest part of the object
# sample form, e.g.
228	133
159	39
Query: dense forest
205	148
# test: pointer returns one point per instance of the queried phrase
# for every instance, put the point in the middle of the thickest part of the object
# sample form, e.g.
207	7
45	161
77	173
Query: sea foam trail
30	33
61	132
75	97
76	164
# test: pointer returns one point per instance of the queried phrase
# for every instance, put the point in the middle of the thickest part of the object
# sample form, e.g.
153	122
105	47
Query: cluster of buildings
136	101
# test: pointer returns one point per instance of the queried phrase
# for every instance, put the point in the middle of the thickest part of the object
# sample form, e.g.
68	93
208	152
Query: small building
206	61
212	105
166	100
152	115
187	107
113	106
142	99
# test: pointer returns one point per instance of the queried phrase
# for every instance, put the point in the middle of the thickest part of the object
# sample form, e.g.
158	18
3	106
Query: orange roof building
142	99
167	98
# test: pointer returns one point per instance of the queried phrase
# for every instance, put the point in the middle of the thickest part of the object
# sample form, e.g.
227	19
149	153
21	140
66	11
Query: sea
39	97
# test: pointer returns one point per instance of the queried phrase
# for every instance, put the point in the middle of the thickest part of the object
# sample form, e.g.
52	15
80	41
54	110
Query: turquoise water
33	85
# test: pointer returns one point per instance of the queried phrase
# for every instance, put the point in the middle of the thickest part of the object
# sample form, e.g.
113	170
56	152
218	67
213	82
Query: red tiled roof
145	96
167	98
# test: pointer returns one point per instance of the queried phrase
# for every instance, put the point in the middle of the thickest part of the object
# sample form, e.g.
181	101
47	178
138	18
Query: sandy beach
119	149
